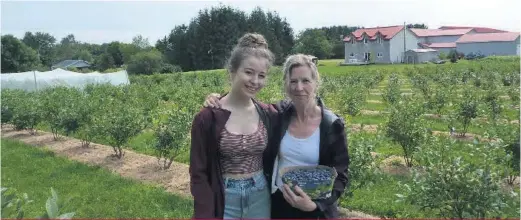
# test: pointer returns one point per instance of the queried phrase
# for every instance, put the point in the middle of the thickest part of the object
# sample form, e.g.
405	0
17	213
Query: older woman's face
302	86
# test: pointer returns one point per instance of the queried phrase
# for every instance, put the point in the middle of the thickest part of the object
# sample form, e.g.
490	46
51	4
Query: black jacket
333	152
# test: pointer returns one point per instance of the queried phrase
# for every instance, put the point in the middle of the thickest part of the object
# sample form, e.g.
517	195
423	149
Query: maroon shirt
206	183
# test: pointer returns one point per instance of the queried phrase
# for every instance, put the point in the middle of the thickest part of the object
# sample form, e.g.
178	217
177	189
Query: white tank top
298	152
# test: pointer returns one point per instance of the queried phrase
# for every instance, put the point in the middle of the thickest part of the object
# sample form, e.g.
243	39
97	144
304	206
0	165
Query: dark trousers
281	209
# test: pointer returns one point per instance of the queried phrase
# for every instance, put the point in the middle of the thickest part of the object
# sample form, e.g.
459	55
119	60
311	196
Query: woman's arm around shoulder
280	106
199	184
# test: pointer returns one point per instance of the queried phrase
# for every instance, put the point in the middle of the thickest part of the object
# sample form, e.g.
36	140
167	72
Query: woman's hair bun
253	40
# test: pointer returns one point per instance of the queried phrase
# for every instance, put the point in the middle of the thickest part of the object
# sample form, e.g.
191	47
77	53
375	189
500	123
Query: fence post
35	85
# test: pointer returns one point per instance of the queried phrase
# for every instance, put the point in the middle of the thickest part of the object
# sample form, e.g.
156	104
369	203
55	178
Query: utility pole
404	43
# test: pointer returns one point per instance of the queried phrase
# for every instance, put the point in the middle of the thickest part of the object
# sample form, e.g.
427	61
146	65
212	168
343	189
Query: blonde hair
250	44
298	60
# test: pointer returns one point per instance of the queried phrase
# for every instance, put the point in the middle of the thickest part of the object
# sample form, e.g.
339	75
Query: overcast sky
105	21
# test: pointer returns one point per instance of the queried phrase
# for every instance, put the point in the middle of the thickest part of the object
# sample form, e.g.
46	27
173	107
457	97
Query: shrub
119	122
169	68
170	133
406	127
146	62
392	93
28	112
467	109
454	187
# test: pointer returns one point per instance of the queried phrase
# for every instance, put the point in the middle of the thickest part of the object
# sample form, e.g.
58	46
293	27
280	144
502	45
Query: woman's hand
300	201
212	101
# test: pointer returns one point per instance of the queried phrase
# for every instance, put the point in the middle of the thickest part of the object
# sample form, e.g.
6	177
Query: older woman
309	134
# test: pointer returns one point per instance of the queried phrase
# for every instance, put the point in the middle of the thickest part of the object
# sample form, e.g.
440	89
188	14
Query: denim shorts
247	198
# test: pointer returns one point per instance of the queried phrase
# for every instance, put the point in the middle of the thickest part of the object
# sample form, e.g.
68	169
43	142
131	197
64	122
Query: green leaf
66	215
52	208
54	194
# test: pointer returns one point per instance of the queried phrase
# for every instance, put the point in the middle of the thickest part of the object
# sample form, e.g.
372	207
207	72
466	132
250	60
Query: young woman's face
251	76
301	87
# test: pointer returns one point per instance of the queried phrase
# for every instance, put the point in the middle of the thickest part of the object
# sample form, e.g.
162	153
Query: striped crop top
242	153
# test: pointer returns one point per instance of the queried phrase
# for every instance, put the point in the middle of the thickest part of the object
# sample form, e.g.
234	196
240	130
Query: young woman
307	133
229	144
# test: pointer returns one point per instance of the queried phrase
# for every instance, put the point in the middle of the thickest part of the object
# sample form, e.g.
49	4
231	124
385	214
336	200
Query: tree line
204	43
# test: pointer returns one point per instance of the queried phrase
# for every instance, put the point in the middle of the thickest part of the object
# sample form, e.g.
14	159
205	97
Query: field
404	160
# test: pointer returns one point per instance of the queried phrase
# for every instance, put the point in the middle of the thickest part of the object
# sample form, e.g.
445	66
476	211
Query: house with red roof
379	44
389	44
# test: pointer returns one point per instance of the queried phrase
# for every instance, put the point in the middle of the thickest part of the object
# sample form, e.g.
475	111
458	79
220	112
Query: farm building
79	64
421	55
437	39
441	47
388	44
475	29
489	44
428	36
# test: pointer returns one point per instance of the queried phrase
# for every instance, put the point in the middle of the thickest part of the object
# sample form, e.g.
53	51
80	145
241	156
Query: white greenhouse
35	80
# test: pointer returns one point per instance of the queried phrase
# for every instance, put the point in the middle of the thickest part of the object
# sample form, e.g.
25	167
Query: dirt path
374	101
366	128
133	165
370	112
379	93
435	116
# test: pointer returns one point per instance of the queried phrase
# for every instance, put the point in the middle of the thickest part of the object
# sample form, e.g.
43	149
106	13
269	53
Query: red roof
386	32
488	37
438	32
476	29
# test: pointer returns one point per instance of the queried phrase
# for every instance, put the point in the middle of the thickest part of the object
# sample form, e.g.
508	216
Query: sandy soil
369	112
374	101
367	128
395	165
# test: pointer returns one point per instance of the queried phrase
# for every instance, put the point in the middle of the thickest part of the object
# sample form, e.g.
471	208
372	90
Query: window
352	55
365	40
380	55
353	40
379	39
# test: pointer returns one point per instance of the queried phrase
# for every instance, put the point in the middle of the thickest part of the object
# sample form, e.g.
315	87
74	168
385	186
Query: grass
374	97
374	106
380	199
385	147
93	191
436	124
